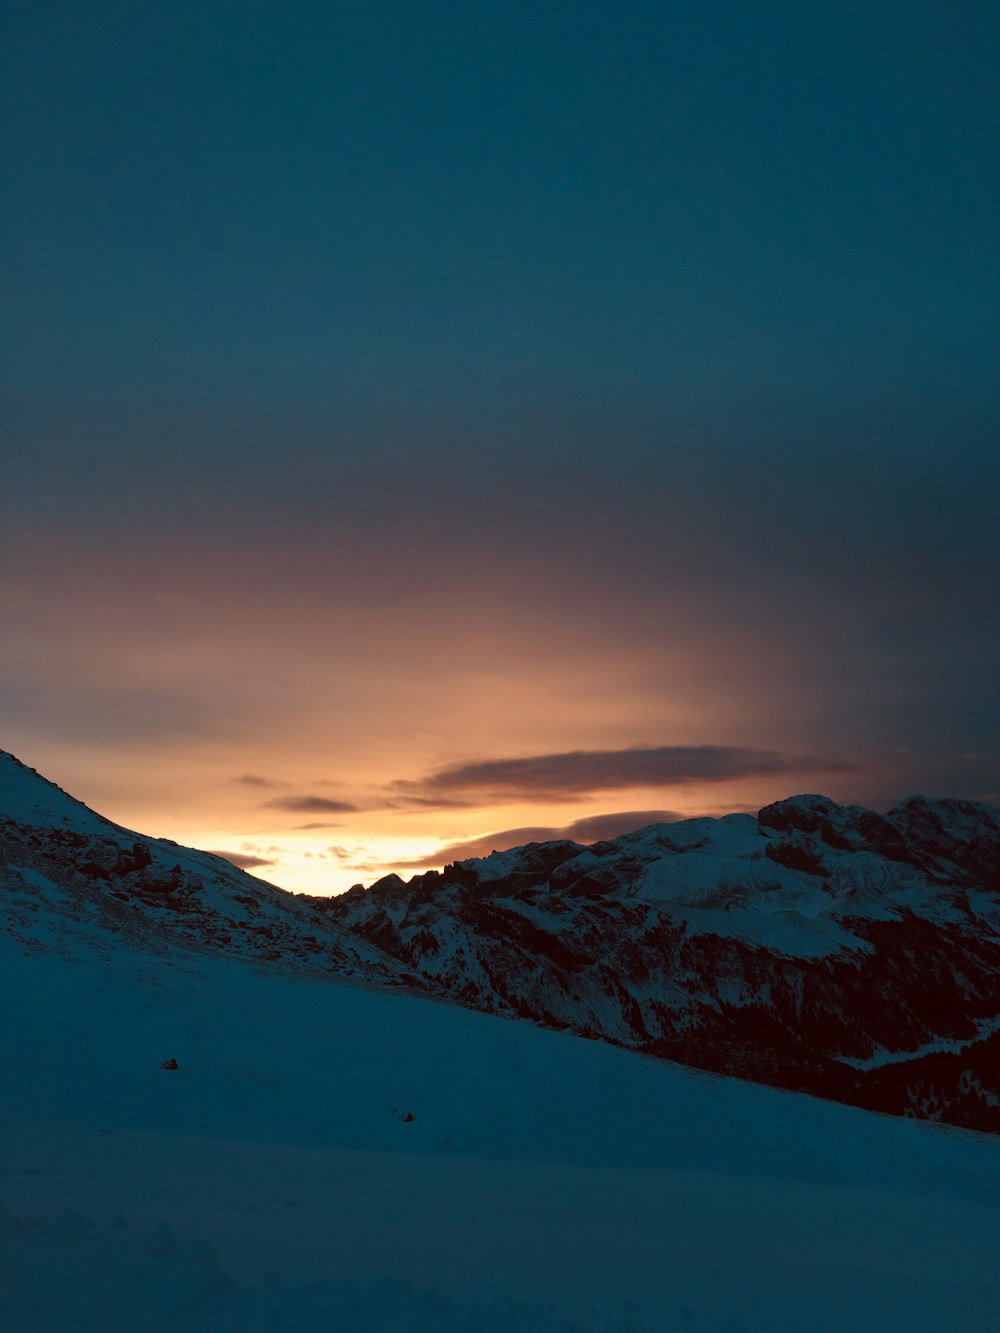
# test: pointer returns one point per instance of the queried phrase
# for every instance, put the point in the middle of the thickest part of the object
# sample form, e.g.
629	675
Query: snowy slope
545	1184
61	860
805	947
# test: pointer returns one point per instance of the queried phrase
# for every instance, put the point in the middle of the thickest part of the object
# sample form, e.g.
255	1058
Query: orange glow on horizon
205	732
364	847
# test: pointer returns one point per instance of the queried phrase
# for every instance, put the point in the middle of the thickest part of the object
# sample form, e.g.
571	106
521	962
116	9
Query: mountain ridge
818	947
815	947
64	863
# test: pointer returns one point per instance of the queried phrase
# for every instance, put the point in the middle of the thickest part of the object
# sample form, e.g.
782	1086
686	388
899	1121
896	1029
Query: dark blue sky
225	204
680	318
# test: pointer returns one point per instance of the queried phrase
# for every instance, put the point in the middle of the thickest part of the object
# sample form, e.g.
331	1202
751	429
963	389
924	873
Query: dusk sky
437	426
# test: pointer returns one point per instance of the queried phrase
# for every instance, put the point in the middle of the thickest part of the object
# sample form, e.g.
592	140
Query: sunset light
500	667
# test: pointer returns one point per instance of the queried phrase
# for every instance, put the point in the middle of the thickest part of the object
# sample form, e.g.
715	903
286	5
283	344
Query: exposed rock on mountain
817	947
67	871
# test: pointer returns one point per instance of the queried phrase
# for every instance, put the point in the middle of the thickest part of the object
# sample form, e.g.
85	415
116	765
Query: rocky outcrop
818	947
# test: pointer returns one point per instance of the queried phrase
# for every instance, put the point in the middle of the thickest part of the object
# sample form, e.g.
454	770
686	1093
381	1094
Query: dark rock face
821	948
950	834
844	827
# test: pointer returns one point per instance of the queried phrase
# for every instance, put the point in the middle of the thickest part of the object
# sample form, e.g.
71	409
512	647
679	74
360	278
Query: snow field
544	1183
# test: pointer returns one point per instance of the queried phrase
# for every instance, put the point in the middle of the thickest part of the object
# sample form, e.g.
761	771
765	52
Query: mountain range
815	947
229	1107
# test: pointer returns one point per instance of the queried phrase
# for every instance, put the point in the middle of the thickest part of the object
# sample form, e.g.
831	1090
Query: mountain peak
29	798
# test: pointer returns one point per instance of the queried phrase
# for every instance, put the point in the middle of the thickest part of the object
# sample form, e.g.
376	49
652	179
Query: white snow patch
882	1057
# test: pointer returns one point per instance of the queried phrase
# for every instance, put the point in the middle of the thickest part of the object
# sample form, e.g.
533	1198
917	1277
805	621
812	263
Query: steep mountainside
66	872
816	947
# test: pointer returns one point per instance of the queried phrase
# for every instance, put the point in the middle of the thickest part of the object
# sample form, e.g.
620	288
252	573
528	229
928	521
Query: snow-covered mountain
200	1134
67	871
816	947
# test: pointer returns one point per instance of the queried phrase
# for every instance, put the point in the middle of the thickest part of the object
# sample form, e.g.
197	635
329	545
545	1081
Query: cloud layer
310	805
574	774
244	860
593	828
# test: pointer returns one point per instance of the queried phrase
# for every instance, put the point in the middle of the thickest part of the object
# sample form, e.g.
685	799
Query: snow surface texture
273	1181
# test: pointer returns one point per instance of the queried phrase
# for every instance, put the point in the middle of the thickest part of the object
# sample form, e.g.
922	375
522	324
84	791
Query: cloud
255	780
730	808
571	776
310	805
406	797
305	827
594	828
244	860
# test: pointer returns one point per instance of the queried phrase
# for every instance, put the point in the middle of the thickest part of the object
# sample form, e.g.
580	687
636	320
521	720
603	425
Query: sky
431	427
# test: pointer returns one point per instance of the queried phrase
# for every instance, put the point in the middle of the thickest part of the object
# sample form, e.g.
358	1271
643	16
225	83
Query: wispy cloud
594	828
406	795
573	775
244	860
310	805
255	780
